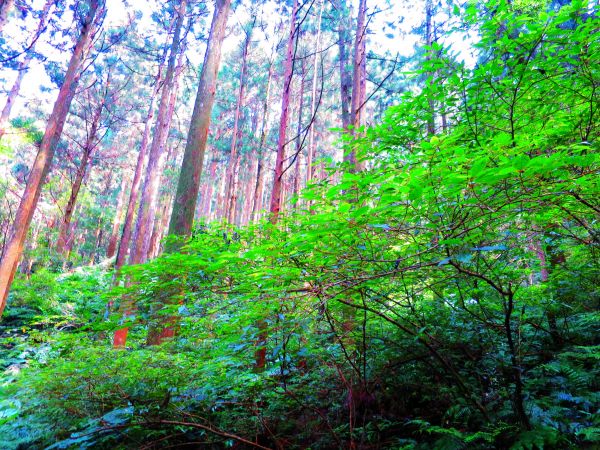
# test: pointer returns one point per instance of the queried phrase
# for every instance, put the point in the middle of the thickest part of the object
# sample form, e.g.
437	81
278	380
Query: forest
300	224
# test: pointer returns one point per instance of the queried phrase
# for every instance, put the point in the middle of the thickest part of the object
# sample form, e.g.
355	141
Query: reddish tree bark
99	231
275	205
258	187
208	193
155	238
188	185
128	223
43	160
345	77
118	220
358	79
276	192
126	307
160	224
249	188
184	204
87	149
233	167
428	42
147	208
296	186
232	202
312	150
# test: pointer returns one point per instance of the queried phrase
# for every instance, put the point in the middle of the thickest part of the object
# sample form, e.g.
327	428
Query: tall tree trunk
249	188
165	181
123	248
276	192
164	225
118	220
233	167
5	7
99	232
28	259
120	337
88	148
188	184
147	208
232	201
220	207
160	223
73	237
184	204
311	153
275	205
428	42
258	187
64	230
164	200
358	80
200	205
23	66
43	160
296	188
207	199
345	77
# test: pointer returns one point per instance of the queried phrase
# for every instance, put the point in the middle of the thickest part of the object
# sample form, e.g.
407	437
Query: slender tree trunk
207	198
249	188
88	148
200	205
147	207
515	369
136	182
160	224
164	225
64	229
5	7
258	187
99	232
220	207
164	200
356	120
345	78
184	204
98	235
188	185
119	213
120	337
73	237
358	80
43	160
233	195
23	66
28	260
311	153
233	167
155	239
296	188
428	42
547	265
276	193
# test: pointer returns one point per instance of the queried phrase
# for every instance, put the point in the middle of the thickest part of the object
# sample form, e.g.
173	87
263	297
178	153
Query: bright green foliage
445	298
